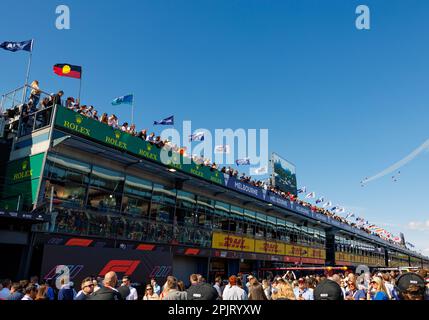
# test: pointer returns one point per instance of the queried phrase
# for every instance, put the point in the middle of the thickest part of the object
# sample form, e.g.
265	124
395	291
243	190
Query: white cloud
418	225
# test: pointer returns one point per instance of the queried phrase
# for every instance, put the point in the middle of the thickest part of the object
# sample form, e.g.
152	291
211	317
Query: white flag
223	149
259	171
327	204
311	195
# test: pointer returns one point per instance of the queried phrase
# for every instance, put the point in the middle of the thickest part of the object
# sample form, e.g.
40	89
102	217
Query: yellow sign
229	242
262	246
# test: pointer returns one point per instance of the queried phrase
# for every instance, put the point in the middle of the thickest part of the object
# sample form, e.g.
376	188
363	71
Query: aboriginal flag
67	70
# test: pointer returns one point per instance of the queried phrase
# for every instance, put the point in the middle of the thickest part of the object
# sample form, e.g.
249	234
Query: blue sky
340	103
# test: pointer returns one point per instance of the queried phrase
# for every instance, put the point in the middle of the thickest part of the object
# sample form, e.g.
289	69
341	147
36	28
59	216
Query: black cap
408	279
328	290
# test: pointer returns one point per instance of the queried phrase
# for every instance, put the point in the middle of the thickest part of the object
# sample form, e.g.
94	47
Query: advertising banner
230	242
80	262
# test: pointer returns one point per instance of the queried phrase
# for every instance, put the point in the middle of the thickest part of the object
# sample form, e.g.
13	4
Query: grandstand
79	193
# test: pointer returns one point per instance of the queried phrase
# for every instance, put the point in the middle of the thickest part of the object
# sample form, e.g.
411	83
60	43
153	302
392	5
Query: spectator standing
66	292
256	292
267	288
302	292
15	292
150	294
35	92
5	292
108	291
233	291
217	286
87	289
353	293
172	291
133	292
155	286
199	290
30	292
42	293
56	99
378	289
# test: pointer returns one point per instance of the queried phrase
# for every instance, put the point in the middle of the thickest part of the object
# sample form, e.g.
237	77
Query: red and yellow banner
229	242
262	246
236	243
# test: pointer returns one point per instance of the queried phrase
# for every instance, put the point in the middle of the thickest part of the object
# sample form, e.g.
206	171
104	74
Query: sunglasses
148	289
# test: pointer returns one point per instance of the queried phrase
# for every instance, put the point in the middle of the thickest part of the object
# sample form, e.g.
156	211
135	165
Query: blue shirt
380	295
357	294
306	294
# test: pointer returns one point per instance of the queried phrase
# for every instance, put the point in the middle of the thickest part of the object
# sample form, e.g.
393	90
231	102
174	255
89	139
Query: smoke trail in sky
399	164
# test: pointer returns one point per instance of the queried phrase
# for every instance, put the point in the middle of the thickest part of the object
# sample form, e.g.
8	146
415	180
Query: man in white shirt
233	292
133	292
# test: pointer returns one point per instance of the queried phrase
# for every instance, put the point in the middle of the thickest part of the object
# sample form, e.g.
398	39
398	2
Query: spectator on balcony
158	142
95	115
35	92
70	103
125	127
113	121
104	118
143	134
151	138
132	129
57	98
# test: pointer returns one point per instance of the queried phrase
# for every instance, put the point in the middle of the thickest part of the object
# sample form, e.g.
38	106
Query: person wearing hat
302	292
411	286
328	290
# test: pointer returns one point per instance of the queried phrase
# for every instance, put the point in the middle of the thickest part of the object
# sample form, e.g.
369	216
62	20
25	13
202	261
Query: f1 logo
124	266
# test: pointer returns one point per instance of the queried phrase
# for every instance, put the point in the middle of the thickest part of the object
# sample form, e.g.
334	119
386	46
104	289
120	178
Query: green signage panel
22	182
115	138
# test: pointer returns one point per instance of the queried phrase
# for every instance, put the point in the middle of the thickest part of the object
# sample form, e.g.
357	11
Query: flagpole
27	76
80	87
132	111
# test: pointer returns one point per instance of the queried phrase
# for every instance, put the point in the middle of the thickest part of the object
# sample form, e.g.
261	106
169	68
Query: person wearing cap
328	290
302	292
411	286
378	289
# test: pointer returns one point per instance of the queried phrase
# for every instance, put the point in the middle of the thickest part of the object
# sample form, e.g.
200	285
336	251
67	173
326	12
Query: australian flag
165	122
17	46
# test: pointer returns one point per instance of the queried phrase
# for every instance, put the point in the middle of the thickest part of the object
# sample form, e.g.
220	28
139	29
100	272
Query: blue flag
124	99
16	46
165	122
243	162
197	137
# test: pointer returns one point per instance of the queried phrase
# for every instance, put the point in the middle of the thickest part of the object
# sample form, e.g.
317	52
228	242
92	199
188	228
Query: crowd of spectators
394	285
112	120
